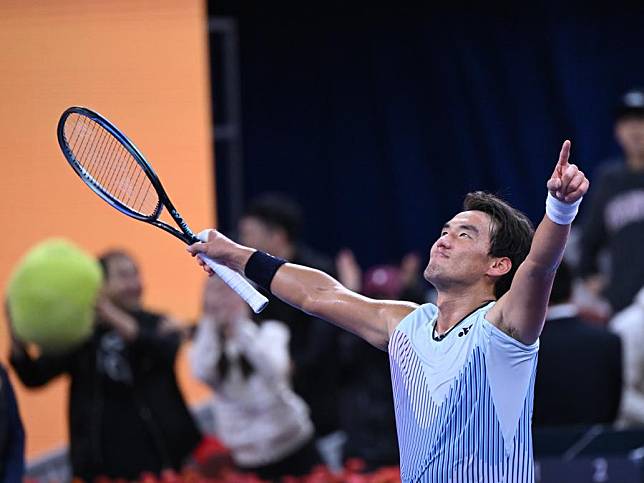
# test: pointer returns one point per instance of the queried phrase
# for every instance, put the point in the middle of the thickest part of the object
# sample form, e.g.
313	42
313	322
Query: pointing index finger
564	154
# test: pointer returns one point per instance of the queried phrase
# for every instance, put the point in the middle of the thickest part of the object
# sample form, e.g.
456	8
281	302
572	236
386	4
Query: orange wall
143	64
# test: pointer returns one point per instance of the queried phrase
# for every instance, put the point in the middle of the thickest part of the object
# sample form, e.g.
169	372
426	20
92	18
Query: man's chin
427	276
436	278
431	276
432	271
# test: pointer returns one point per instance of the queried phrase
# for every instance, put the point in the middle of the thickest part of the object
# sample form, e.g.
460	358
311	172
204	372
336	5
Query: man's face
256	234
123	283
460	255
629	132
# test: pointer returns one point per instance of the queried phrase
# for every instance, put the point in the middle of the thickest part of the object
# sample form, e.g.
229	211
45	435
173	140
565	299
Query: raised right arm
315	293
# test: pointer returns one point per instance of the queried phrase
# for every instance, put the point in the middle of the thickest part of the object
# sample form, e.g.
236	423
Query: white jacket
259	418
629	325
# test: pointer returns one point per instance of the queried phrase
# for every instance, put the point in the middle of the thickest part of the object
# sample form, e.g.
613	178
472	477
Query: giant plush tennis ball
51	295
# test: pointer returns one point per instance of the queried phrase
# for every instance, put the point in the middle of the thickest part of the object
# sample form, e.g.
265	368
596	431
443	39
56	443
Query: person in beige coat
629	325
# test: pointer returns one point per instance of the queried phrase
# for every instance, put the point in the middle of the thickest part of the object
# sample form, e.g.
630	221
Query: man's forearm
548	245
305	288
238	258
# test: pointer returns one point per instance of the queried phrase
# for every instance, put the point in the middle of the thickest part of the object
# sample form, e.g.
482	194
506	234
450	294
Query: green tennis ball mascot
51	296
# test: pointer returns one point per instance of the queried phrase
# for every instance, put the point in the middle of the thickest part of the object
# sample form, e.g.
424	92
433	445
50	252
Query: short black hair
277	211
106	257
562	286
511	233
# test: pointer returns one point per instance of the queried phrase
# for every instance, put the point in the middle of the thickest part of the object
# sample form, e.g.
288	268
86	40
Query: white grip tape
238	283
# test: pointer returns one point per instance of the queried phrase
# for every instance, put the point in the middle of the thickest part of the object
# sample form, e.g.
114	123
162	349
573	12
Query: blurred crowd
295	397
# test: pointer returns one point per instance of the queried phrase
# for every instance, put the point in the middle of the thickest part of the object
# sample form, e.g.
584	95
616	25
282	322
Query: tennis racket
112	166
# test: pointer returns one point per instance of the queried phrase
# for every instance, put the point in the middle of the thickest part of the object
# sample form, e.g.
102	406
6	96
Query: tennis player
462	370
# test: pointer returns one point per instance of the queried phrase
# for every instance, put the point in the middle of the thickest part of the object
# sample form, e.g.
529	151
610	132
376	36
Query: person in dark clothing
366	394
126	413
272	223
12	435
579	374
615	218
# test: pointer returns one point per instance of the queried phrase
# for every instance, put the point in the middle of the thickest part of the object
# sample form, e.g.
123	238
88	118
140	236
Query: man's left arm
521	311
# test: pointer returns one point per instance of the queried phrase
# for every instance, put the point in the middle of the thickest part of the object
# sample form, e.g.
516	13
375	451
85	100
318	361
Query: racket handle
238	283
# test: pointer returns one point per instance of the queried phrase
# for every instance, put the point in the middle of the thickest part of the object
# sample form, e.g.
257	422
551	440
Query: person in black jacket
579	374
126	413
366	392
12	435
615	219
271	223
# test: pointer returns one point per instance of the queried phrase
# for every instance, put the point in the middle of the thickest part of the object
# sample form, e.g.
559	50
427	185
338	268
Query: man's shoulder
421	316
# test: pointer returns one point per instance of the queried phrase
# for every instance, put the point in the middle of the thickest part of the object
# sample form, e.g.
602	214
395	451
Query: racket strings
107	164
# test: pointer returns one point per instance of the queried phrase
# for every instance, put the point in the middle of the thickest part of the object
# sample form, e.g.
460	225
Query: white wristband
560	212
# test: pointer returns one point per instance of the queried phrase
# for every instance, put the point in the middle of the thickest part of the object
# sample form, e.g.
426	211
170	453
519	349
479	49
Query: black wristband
261	268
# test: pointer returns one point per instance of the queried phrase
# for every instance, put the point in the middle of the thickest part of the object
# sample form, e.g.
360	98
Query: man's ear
499	267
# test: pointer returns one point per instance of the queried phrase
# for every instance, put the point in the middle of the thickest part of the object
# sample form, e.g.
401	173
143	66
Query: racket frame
186	234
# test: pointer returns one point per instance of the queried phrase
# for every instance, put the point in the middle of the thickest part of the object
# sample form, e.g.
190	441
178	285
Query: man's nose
444	242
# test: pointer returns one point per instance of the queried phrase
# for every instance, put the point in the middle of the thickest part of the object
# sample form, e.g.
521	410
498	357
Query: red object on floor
207	448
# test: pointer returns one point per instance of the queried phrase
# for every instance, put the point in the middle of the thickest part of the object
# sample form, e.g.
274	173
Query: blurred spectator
614	222
629	325
12	436
402	282
126	413
257	416
272	224
579	374
366	396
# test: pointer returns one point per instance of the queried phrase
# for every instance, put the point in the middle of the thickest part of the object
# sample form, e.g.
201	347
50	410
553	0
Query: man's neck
453	307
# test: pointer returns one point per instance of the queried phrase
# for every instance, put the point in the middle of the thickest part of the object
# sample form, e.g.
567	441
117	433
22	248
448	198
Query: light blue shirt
463	403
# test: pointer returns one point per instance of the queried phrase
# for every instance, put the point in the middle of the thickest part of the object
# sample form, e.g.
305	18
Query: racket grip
238	283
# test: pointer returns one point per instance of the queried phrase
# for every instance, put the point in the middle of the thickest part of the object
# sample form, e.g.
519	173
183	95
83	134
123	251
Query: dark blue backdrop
379	121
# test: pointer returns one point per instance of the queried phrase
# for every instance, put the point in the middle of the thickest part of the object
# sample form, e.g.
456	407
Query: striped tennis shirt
463	401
